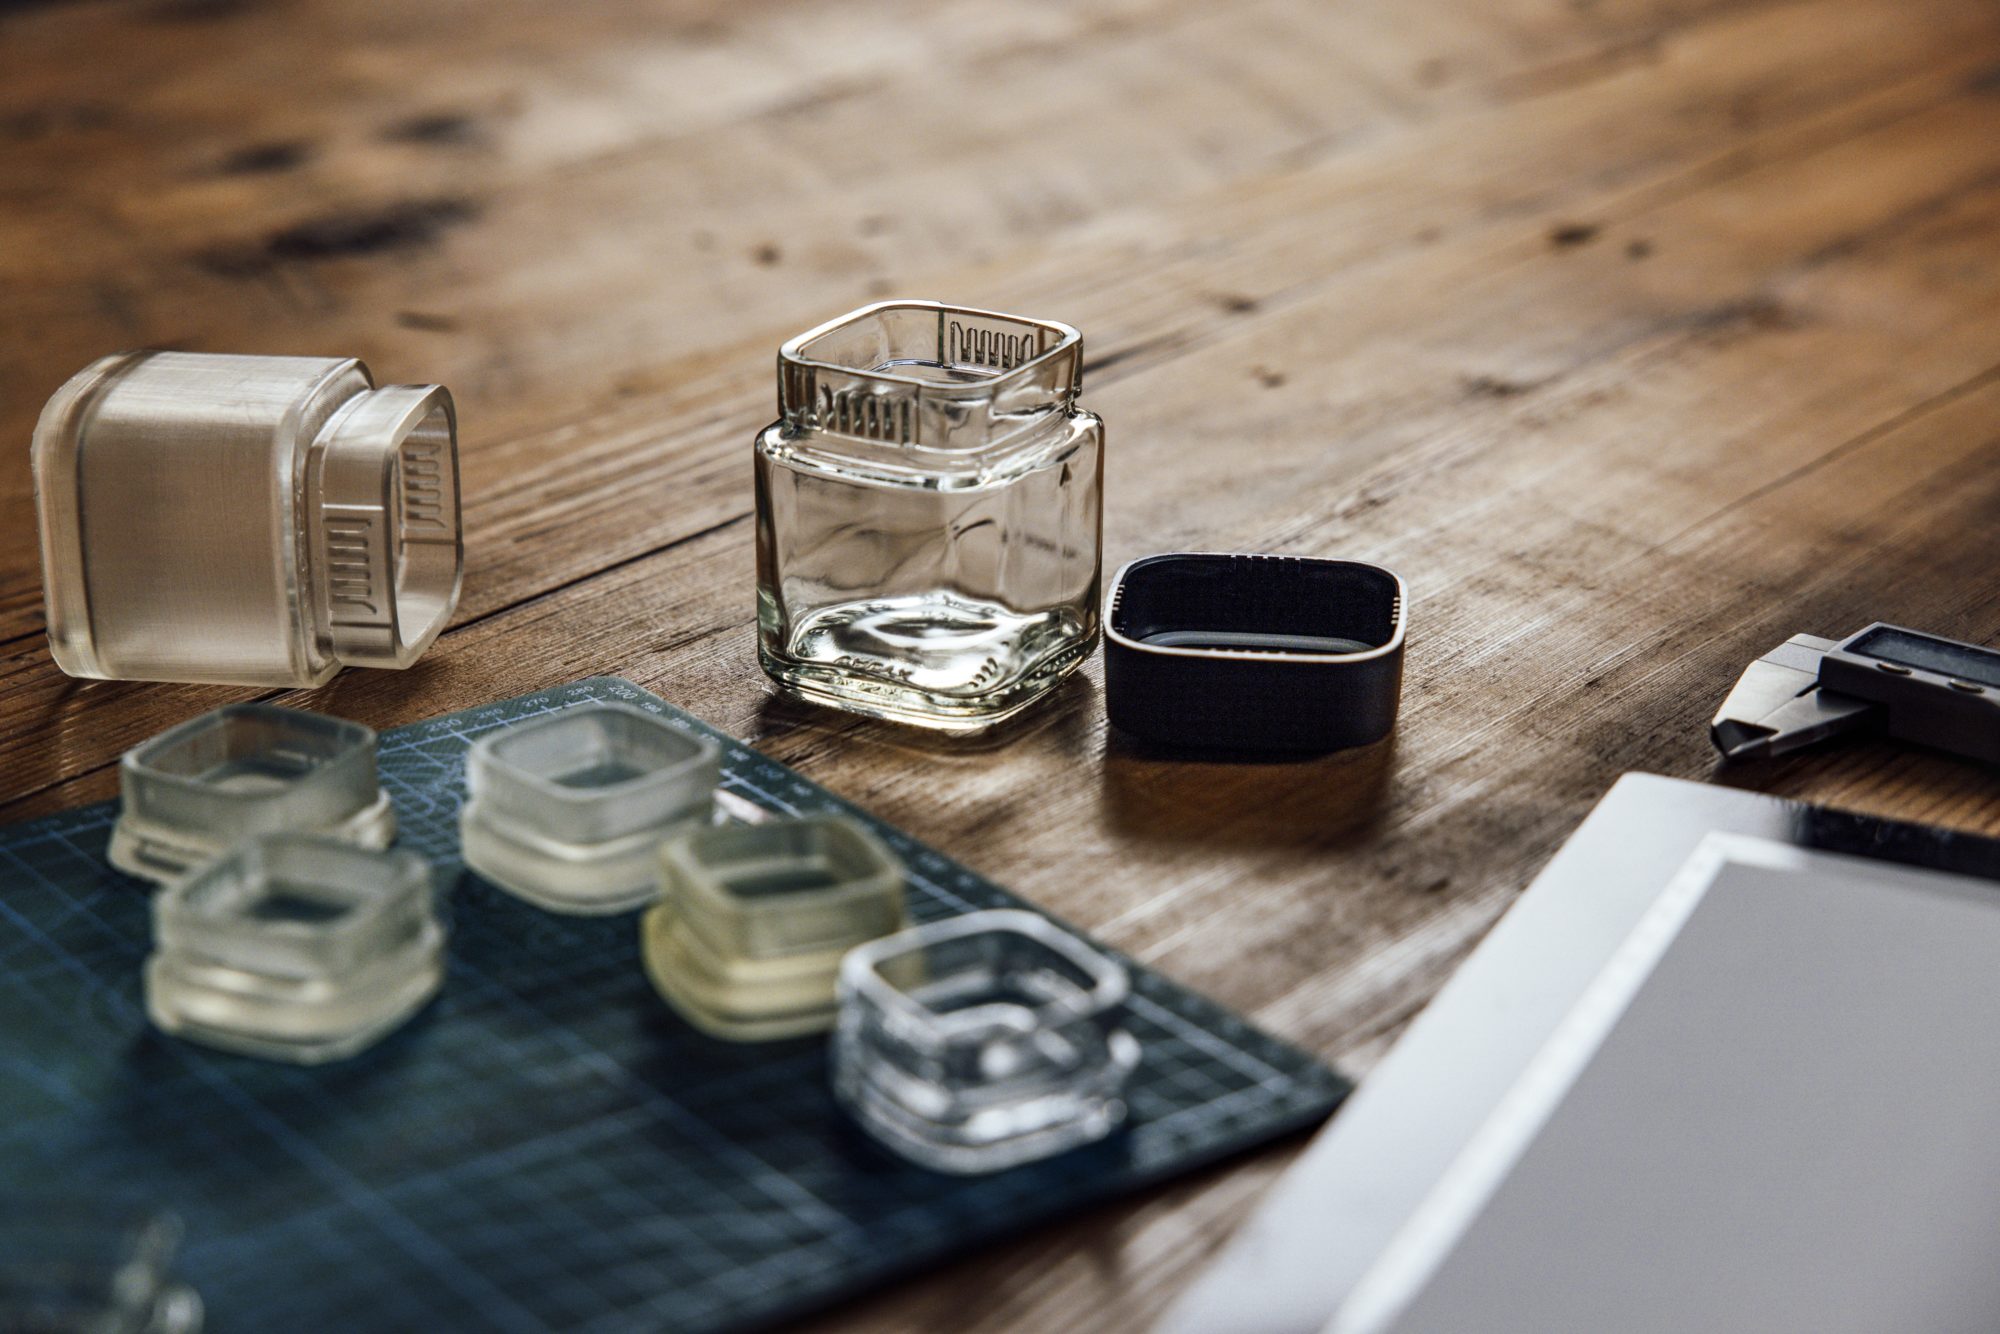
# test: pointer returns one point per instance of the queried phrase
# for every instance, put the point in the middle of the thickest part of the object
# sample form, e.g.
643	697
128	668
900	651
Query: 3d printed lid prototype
196	790
981	1042
753	921
295	948
245	520
566	810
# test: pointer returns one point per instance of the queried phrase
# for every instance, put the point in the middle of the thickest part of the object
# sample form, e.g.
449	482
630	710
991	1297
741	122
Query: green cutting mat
546	1146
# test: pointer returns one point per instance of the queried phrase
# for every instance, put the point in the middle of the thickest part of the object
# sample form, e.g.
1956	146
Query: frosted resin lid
567	810
753	921
249	520
295	948
244	769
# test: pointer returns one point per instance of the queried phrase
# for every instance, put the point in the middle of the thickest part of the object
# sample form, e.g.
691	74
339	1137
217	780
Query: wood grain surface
1636	334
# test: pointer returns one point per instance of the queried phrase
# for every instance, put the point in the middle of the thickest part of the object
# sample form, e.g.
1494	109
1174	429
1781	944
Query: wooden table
1637	334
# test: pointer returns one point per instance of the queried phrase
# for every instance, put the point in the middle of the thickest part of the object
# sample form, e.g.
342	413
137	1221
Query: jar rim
985	375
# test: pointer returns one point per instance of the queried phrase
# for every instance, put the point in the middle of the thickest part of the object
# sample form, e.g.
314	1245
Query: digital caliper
1902	683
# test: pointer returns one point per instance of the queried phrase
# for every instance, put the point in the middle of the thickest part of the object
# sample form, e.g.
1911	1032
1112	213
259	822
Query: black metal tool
1902	683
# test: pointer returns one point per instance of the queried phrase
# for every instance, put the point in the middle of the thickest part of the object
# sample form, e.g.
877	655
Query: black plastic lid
1251	652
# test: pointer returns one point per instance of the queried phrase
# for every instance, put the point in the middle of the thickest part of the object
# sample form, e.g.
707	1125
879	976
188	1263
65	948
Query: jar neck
862	460
928	380
383	524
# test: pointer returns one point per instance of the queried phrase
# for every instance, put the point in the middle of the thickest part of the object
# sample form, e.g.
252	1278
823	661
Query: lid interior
591	751
1269	604
252	749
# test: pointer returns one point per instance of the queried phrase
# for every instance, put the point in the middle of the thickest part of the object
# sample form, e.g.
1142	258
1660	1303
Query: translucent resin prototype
981	1042
295	948
195	791
243	519
928	514
753	921
567	811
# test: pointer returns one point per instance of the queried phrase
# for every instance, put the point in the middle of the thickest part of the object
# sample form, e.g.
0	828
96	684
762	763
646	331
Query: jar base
964	671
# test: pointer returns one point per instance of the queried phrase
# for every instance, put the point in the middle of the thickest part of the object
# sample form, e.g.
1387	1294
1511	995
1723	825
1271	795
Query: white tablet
1331	1217
1777	1107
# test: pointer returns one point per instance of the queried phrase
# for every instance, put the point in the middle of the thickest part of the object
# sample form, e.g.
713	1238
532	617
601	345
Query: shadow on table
1062	721
1252	798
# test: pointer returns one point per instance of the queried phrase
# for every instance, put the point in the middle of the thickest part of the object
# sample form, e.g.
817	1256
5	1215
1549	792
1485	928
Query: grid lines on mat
546	1146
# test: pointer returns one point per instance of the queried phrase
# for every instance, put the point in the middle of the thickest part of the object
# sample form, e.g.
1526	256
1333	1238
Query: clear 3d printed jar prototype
245	520
195	791
928	514
295	948
753	921
568	810
981	1042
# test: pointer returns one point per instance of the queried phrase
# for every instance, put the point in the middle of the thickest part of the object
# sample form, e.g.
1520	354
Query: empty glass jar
928	514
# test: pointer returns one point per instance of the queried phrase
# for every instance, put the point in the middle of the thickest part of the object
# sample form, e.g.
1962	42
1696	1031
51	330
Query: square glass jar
753	921
929	511
981	1042
196	790
295	948
566	811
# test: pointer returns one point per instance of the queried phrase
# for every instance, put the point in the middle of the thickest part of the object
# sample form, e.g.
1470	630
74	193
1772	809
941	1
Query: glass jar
929	507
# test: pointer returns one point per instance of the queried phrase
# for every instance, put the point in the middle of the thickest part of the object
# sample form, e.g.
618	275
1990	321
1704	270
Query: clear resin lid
295	948
566	810
983	1041
199	788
